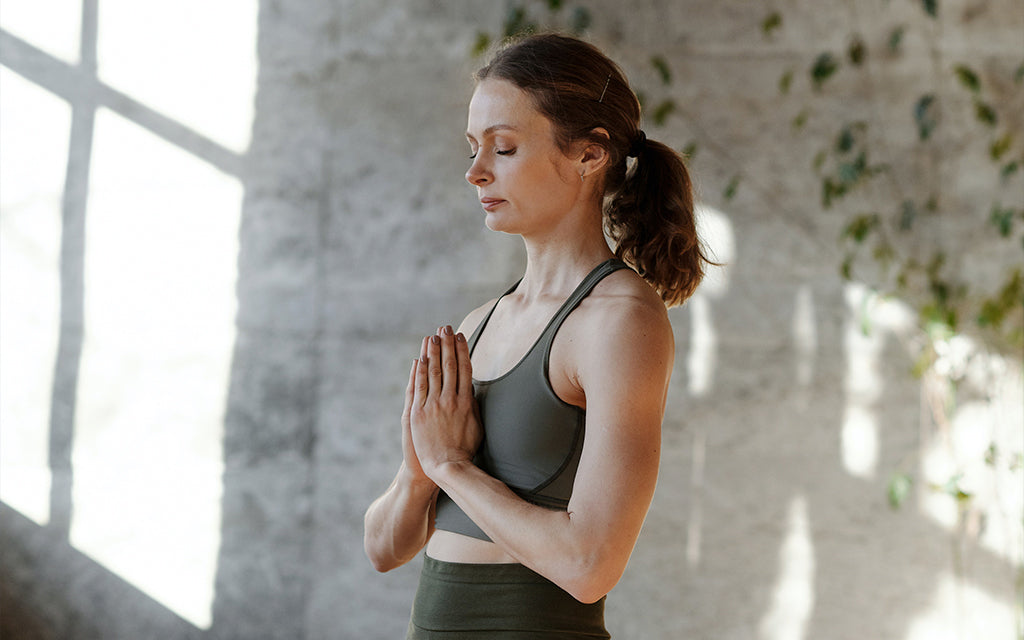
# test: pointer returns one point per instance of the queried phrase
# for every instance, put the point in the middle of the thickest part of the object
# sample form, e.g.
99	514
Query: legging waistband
457	601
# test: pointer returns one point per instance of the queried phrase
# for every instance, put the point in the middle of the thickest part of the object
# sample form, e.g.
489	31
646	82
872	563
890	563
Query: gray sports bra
532	439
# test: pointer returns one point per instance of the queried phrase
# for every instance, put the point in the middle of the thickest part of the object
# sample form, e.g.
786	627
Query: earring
581	177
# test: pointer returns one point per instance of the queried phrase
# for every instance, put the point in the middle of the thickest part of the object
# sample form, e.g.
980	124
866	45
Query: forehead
501	103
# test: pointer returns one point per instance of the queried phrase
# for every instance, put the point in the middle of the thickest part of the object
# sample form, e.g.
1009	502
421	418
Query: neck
557	261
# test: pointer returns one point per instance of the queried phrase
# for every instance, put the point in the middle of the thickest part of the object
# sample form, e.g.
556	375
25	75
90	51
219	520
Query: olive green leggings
457	601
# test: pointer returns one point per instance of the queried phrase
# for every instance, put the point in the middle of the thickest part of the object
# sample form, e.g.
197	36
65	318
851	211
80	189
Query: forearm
397	525
562	546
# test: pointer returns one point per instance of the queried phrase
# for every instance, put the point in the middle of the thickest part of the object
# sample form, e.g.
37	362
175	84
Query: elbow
591	581
381	561
589	591
380	564
588	595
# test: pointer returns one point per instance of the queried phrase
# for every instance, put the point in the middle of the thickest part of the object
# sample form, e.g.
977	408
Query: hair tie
638	144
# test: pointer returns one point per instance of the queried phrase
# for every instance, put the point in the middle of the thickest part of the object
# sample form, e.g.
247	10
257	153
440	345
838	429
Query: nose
478	175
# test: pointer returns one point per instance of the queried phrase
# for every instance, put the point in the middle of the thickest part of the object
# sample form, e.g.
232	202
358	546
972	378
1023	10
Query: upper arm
624	369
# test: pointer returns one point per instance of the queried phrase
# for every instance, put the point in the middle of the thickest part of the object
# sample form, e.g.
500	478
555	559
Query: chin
497	223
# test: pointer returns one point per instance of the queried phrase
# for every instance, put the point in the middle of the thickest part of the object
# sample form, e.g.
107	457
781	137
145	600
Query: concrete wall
354	235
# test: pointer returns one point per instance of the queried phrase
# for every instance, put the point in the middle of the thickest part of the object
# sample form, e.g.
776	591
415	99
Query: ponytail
650	218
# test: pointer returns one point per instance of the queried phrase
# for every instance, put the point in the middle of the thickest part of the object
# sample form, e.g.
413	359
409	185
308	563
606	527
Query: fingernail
435	339
460	338
448	330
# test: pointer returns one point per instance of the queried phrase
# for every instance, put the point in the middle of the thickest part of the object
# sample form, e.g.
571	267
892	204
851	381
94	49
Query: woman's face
524	181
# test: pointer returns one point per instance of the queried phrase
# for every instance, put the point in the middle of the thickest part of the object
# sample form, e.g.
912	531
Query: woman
531	450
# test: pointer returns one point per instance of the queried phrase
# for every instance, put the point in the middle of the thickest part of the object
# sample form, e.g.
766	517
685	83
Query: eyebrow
491	129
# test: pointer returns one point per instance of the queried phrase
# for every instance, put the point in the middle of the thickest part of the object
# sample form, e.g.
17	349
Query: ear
592	156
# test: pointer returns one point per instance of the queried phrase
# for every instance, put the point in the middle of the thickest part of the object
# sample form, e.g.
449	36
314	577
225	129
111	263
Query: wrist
415	482
446	473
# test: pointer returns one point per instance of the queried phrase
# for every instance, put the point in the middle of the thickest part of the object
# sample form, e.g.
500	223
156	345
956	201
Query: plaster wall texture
358	235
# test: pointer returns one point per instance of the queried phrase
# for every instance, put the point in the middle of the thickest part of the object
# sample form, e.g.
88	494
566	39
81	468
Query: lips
490	203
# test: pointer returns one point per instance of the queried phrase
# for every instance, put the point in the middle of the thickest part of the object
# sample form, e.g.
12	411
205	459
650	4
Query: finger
421	386
423	347
409	389
465	384
449	364
434	374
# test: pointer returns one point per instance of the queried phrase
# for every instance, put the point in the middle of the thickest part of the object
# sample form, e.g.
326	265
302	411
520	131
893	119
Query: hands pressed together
440	423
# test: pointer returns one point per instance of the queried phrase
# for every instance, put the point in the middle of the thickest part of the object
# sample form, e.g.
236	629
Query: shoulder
624	301
623	328
475	317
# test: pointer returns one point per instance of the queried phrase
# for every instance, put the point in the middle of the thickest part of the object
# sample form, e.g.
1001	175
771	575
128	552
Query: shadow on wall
159	442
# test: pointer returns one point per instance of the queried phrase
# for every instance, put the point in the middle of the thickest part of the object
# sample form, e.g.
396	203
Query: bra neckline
533	347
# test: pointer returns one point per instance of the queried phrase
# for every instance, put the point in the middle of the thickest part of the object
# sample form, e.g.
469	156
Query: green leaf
1002	219
661	66
831	191
925	116
846	268
967	77
857	51
851	172
554	5
481	44
860	227
939	322
985	113
845	140
883	255
899	489
1009	169
772	22
663	111
825	65
999	147
992	455
785	81
730	189
952	488
819	159
925	360
931	7
800	119
690	150
580	20
896	38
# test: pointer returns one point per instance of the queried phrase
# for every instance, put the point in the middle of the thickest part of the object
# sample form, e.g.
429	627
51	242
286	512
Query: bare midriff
449	546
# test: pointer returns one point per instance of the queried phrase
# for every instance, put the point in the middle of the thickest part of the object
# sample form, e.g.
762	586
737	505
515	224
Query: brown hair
649	206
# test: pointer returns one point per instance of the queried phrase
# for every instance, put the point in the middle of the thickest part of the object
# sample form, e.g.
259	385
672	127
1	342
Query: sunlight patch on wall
959	611
805	335
792	599
193	61
715	231
55	26
981	452
871	318
160	274
34	126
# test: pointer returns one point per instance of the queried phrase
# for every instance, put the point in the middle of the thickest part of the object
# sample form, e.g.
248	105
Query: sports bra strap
582	290
483	323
